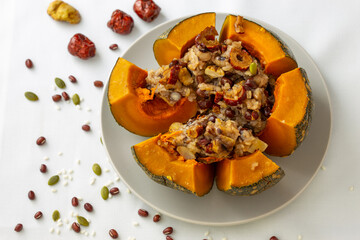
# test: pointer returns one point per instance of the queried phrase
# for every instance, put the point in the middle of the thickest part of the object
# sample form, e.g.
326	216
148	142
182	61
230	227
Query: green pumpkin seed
56	215
96	169
60	83
82	221
101	141
105	193
53	180
31	96
76	99
253	68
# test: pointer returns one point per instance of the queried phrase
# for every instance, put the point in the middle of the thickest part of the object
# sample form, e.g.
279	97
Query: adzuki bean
76	227
56	97
98	84
113	233
28	63
88	207
85	127
75	201
169	238
31	195
18	227
156	218
114	191
274	238
72	79
113	46
168	231
143	213
65	96
43	168
41	141
38	215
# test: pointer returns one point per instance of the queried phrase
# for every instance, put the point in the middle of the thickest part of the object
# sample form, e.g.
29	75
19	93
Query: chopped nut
239	28
61	11
185	77
214	72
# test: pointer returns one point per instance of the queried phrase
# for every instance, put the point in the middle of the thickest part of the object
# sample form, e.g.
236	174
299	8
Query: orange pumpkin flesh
247	175
288	124
271	51
175	41
136	109
172	170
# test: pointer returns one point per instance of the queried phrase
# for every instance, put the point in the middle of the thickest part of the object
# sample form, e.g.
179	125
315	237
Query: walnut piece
61	11
239	28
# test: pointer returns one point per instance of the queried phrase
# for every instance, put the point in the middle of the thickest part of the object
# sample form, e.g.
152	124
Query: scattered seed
28	63
43	168
65	183
76	99
169	238
31	195
58	108
206	233
58	231
53	180
107	170
41	140
46	158
135	224
72	79
54	190
51	230
274	238
168	231
98	84
76	227
114	191
56	215
86	127
88	109
56	97
75	201
105	193
113	46
18	227
143	213
60	83
128	191
38	215
65	96
113	233
82	221
60	154
31	96
92	180
88	207
93	233
156	218
101	141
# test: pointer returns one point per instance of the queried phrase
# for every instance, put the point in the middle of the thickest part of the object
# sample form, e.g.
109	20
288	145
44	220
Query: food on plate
81	46
121	22
246	95
61	11
147	10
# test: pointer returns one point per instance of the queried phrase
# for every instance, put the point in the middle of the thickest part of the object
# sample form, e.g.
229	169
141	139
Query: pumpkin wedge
136	109
272	52
172	170
248	175
174	42
289	122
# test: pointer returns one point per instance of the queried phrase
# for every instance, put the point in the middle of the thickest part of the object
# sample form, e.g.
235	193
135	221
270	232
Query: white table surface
328	209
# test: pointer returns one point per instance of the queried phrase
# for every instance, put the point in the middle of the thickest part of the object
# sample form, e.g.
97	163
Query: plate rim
231	223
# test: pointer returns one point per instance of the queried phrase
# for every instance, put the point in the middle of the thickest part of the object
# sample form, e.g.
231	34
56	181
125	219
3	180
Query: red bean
28	63
56	97
43	168
168	231
31	195
38	215
143	213
113	46
65	96
72	79
18	227
113	233
156	218
229	113
85	127
76	227
114	191
225	80
274	238
41	141
75	201
88	207
98	84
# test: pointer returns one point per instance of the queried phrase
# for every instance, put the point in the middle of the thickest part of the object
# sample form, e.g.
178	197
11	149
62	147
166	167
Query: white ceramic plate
218	208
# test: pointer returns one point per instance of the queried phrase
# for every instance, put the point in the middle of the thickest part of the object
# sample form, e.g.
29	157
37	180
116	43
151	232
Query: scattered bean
76	227
88	207
75	201
41	140
169	238
56	215
274	238
105	193
82	221
28	63
43	168
18	227
65	96
168	231
72	79
98	84
31	96
60	83
230	113
56	97
156	218
38	215
31	195
85	127
114	191
113	233
143	213
113	46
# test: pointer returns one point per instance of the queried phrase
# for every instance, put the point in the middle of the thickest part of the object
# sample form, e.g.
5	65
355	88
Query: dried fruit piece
31	96
206	39
81	46
61	11
240	59
147	10
121	22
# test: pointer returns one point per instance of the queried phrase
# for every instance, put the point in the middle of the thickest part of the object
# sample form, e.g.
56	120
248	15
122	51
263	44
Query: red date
121	22
147	10
81	46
